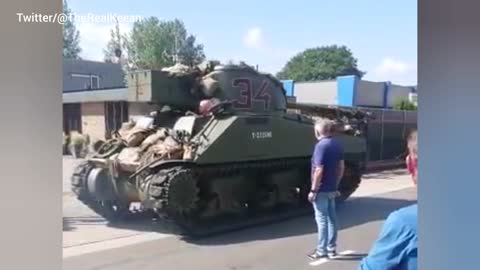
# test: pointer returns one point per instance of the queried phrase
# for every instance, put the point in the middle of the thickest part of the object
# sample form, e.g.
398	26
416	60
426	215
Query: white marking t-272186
262	135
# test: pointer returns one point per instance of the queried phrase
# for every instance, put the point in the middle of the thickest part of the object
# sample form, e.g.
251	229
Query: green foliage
191	54
77	139
71	36
214	62
66	143
117	49
404	104
209	65
154	44
78	144
321	63
115	45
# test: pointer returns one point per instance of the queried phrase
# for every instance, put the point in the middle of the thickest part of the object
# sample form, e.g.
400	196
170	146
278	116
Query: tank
224	150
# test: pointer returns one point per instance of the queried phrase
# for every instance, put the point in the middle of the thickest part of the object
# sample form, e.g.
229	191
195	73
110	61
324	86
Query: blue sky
381	34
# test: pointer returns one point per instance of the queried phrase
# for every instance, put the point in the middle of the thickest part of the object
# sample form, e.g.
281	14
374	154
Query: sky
382	35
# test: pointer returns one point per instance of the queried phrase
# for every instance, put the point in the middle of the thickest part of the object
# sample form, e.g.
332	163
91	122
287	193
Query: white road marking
324	260
111	244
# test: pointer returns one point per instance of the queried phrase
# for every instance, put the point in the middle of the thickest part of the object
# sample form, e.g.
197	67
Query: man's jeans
326	218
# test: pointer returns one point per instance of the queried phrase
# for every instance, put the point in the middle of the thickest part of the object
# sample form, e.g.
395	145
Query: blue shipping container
288	86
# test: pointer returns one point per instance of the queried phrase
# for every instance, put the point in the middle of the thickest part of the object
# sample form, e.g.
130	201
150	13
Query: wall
115	94
395	92
369	94
324	92
111	75
93	119
348	91
387	133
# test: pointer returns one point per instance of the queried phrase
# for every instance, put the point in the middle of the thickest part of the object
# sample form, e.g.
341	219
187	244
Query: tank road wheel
182	193
349	183
111	210
177	191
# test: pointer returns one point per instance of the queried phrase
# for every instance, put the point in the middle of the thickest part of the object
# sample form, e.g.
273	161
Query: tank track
110	210
192	225
348	187
114	211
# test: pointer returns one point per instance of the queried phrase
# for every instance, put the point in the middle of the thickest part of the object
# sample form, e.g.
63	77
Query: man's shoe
332	254
315	256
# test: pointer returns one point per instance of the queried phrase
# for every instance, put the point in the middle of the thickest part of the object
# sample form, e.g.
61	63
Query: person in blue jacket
396	247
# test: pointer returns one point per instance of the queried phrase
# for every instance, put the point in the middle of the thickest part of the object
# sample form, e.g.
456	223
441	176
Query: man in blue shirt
396	248
327	170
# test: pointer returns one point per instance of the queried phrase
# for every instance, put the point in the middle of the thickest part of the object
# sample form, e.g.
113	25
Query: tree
404	104
214	62
71	36
117	50
209	65
154	44
191	54
320	63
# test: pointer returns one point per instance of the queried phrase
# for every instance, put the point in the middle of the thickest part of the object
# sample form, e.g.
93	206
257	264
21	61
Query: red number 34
246	97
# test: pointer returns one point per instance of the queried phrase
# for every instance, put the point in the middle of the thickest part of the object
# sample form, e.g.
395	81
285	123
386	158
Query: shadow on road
351	257
385	175
352	213
67	226
137	222
70	223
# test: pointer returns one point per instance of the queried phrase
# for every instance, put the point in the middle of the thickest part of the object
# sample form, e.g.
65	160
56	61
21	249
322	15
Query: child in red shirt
412	160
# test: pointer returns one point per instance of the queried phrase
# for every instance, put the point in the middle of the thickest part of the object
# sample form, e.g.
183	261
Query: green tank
244	161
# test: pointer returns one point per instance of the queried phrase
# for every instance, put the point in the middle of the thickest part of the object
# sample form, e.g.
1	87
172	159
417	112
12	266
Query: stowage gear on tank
242	156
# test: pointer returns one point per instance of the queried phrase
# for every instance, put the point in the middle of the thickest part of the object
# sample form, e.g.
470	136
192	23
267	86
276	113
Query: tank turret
184	87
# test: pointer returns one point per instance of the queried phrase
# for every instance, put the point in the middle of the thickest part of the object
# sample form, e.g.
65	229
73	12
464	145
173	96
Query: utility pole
175	55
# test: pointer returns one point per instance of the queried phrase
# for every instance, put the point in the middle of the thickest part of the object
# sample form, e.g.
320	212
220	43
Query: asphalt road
277	246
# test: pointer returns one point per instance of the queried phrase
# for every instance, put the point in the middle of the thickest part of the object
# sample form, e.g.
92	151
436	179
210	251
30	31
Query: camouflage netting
147	144
218	83
210	81
179	70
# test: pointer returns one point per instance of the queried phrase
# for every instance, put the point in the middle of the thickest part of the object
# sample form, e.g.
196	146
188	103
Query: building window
116	113
91	81
95	82
72	116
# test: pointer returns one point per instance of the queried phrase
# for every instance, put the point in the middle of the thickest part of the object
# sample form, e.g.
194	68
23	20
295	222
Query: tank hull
243	176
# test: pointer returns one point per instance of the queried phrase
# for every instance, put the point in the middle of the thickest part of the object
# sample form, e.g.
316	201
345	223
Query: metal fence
387	133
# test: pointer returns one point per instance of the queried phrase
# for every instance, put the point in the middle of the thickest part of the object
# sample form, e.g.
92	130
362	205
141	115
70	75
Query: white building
349	91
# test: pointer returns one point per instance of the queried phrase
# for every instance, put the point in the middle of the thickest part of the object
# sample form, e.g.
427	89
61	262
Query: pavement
89	242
